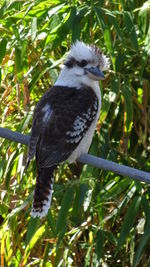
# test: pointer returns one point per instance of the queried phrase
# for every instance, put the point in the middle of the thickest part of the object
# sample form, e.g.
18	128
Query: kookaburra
65	118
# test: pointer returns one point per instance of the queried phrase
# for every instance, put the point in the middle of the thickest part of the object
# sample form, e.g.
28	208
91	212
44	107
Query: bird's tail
43	192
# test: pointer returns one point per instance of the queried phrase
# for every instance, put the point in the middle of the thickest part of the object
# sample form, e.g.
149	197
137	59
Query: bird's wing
61	120
42	116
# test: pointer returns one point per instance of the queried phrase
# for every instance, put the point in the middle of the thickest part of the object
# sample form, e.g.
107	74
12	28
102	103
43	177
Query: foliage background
96	217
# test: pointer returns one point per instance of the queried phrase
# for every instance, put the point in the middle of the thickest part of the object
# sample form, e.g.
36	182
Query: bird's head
84	65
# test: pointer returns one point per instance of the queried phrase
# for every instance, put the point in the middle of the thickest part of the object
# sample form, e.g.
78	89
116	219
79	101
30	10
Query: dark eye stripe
71	62
83	63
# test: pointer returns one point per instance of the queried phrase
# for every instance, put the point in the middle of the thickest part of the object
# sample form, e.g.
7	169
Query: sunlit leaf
115	189
128	115
32	228
3	44
38	234
34	28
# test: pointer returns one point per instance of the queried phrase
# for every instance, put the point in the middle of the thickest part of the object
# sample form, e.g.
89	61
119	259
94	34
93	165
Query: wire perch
86	158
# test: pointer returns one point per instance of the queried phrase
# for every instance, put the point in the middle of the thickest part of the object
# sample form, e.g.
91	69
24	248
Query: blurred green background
96	218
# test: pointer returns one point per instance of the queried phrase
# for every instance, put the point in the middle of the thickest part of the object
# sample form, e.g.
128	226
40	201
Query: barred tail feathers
43	192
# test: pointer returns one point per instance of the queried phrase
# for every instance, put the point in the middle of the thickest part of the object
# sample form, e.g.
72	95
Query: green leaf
129	220
51	222
108	40
113	21
37	235
100	16
34	28
117	188
142	243
127	94
129	23
66	204
120	59
54	10
144	58
32	228
100	238
2	9
60	237
115	84
109	44
9	166
76	25
105	107
111	237
3	45
143	16
45	258
15	211
108	98
106	32
79	200
18	59
145	206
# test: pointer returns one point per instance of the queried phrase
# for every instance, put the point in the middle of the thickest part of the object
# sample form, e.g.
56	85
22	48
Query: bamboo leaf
128	20
51	222
129	220
109	44
115	85
18	59
108	98
114	23
34	28
143	241
79	199
32	228
66	204
3	44
116	189
126	91
38	234
100	238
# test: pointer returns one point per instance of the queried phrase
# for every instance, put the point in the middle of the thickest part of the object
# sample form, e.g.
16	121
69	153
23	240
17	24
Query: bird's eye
83	63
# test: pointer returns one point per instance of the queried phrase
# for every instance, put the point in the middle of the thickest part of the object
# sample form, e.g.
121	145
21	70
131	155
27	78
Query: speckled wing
61	119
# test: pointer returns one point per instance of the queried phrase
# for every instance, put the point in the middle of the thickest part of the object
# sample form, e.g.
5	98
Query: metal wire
86	159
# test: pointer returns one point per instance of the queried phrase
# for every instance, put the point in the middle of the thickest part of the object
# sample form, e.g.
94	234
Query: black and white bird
65	118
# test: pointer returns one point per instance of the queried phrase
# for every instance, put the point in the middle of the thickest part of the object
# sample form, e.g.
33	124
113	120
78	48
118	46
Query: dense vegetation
96	217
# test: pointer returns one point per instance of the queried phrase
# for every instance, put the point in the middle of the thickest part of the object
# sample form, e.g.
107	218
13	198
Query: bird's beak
95	73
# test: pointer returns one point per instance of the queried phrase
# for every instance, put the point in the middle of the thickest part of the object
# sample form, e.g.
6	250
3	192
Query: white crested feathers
75	76
81	51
